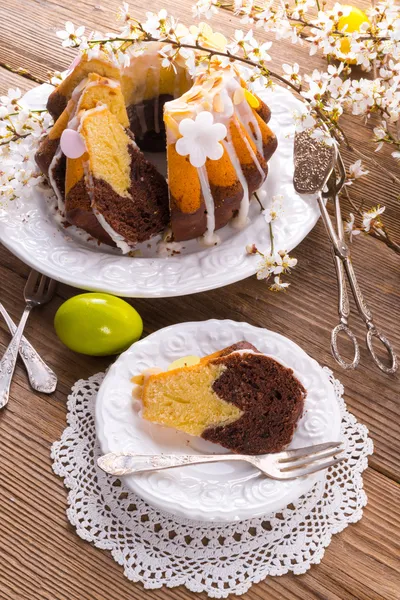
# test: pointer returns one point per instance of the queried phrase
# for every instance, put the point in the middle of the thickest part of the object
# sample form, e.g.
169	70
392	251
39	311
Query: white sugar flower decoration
71	36
201	139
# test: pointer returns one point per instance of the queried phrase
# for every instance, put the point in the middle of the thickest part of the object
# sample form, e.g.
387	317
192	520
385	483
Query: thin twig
259	201
383	237
271	233
378	164
22	72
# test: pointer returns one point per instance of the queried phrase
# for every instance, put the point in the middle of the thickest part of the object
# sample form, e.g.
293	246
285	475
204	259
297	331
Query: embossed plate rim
198	495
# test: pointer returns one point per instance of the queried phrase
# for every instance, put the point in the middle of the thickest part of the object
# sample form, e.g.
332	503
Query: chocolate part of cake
271	398
145	211
147	124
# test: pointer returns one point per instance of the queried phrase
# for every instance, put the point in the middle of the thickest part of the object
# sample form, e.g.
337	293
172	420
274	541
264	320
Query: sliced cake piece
211	183
128	197
239	398
92	90
101	65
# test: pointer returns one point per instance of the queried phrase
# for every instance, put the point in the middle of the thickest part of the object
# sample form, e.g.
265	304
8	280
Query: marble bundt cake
239	398
214	130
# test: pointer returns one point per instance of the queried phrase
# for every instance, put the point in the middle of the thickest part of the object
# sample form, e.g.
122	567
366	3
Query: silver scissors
319	167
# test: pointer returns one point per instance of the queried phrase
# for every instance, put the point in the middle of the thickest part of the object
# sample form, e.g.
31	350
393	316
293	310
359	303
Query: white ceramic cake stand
31	230
209	492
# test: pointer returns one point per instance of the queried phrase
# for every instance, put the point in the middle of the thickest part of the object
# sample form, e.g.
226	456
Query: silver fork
282	465
41	377
38	290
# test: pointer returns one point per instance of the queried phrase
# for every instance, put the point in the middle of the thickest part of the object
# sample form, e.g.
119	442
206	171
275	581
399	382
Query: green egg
97	324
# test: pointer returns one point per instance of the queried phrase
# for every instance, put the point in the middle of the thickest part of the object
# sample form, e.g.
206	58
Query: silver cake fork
38	290
41	377
282	465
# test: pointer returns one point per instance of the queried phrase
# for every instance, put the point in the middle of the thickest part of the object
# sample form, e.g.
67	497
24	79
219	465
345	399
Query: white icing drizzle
142	119
117	238
255	159
60	200
246	116
210	238
79	89
177	85
156	73
241	219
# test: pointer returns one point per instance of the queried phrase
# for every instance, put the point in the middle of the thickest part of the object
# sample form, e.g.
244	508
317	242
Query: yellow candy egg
350	23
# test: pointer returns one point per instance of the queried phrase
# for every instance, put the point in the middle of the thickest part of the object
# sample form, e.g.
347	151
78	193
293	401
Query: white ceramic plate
214	492
31	231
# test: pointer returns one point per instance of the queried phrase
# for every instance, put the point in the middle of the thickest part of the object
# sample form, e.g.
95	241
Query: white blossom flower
94	52
123	13
276	209
259	53
205	8
71	36
201	139
278	285
349	227
242	41
292	71
396	155
304	121
275	264
168	53
323	136
266	266
371	218
155	22
284	262
12	96
355	172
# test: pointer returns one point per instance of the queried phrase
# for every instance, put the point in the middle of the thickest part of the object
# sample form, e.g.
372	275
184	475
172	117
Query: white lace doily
157	549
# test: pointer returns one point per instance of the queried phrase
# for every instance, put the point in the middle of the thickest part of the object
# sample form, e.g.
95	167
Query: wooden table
41	557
